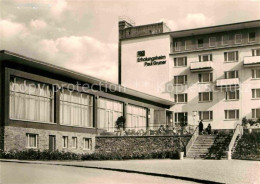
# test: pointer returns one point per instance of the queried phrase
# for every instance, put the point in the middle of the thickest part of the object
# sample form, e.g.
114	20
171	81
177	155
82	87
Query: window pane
232	114
257	113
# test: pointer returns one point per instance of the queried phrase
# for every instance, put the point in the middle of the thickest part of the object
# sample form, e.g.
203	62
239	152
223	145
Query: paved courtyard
223	171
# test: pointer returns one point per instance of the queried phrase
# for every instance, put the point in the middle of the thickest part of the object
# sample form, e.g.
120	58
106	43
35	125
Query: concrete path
223	171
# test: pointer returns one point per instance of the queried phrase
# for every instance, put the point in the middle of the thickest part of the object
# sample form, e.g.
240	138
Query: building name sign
150	61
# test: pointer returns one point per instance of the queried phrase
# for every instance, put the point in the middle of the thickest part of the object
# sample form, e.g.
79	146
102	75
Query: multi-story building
211	73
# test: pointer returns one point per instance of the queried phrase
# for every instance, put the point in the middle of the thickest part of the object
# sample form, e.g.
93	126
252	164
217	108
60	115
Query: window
231	114
251	37
255	113
188	44
205	77
52	142
64	141
30	100
178	46
181	117
32	140
231	56
231	74
256	73
74	142
232	95
181	98
256	93
206	115
180	61
180	79
238	38
205	96
256	52
225	39
136	117
212	42
206	57
200	43
108	112
76	109
87	143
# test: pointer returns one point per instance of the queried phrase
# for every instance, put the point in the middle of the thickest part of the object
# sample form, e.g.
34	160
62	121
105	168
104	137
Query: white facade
159	80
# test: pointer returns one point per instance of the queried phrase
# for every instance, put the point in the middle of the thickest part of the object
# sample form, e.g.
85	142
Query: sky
82	35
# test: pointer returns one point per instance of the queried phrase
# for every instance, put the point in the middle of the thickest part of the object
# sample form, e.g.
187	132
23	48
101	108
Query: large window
225	39
136	117
180	61
76	109
181	98
232	95
255	93
64	141
231	114
205	57
108	112
205	96
180	79
32	140
206	115
181	117
205	77
231	74
200	43
74	142
188	44
256	52
178	45
231	56
255	113
31	100
256	73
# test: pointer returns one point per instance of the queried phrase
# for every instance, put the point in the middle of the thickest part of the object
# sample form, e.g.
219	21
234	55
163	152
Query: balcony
227	82
201	66
251	61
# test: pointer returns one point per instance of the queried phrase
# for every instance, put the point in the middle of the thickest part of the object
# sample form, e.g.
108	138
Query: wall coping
139	136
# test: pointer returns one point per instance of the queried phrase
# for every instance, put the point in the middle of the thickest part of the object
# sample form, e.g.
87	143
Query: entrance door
52	142
169	118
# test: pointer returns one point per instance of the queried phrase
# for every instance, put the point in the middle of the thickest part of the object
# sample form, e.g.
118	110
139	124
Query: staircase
201	146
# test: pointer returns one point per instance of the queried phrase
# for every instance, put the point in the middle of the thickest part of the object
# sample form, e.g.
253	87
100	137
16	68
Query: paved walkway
223	171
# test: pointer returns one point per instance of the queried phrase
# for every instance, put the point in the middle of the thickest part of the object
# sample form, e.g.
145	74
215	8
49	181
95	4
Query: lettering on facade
150	61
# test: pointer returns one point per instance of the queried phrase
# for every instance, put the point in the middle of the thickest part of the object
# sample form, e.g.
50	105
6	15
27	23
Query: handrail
192	139
238	131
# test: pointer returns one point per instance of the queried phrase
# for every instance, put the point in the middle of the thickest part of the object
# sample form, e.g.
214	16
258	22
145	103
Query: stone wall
140	144
15	139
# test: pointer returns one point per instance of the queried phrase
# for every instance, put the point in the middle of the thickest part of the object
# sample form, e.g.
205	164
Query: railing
157	130
250	60
238	131
200	65
227	82
192	140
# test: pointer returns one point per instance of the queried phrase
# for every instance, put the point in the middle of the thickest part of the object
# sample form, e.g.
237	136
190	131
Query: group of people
208	129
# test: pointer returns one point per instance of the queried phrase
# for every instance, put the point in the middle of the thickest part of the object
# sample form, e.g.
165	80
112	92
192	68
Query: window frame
201	99
175	80
201	114
200	39
175	61
254	113
236	56
28	141
74	140
214	42
200	78
185	97
254	93
186	45
65	142
209	56
227	74
249	37
254	52
89	143
176	43
254	72
241	40
222	40
237	95
176	114
237	115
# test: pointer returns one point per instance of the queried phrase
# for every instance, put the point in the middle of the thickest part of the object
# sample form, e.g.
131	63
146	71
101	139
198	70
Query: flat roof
206	30
26	61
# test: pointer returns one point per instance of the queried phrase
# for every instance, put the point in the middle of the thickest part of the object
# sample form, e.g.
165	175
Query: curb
118	170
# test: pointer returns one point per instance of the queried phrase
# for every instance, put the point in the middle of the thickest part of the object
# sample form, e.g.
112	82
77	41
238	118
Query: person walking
209	129
200	127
